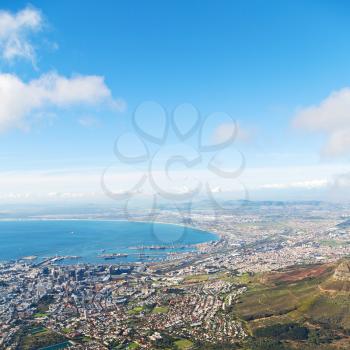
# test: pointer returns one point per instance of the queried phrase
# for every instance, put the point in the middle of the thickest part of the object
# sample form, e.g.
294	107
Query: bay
89	239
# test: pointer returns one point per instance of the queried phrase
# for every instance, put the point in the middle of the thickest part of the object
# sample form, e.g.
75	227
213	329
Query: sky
100	100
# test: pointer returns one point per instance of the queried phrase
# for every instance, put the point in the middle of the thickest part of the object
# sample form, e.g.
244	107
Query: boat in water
113	256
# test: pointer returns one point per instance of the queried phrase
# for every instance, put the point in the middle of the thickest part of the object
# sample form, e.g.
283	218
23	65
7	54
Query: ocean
89	239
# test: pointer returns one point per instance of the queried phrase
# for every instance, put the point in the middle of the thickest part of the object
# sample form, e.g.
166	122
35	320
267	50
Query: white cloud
332	117
309	185
19	99
15	30
224	132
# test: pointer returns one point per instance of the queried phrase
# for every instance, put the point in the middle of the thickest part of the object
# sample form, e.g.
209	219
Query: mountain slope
309	302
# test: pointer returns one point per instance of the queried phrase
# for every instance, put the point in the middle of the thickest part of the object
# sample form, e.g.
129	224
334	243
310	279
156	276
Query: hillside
306	307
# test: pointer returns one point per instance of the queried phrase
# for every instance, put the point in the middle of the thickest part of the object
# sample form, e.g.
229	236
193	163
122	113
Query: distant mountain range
345	224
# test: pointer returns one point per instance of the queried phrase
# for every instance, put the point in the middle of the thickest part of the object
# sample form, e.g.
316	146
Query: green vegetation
59	346
291	331
244	278
33	338
37	330
166	342
136	310
43	304
205	277
296	309
209	346
273	337
331	310
183	344
265	302
160	310
266	344
196	278
86	339
66	330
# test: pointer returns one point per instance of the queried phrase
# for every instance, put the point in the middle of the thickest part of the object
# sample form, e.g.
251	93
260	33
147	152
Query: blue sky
262	62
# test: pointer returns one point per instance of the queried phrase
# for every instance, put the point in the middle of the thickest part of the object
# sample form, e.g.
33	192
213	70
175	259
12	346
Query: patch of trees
324	336
266	344
43	304
165	342
291	331
29	340
208	346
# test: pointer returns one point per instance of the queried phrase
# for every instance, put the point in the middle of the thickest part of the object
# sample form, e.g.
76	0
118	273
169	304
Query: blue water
88	239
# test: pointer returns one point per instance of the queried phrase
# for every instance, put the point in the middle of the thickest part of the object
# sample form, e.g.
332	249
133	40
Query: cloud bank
331	117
